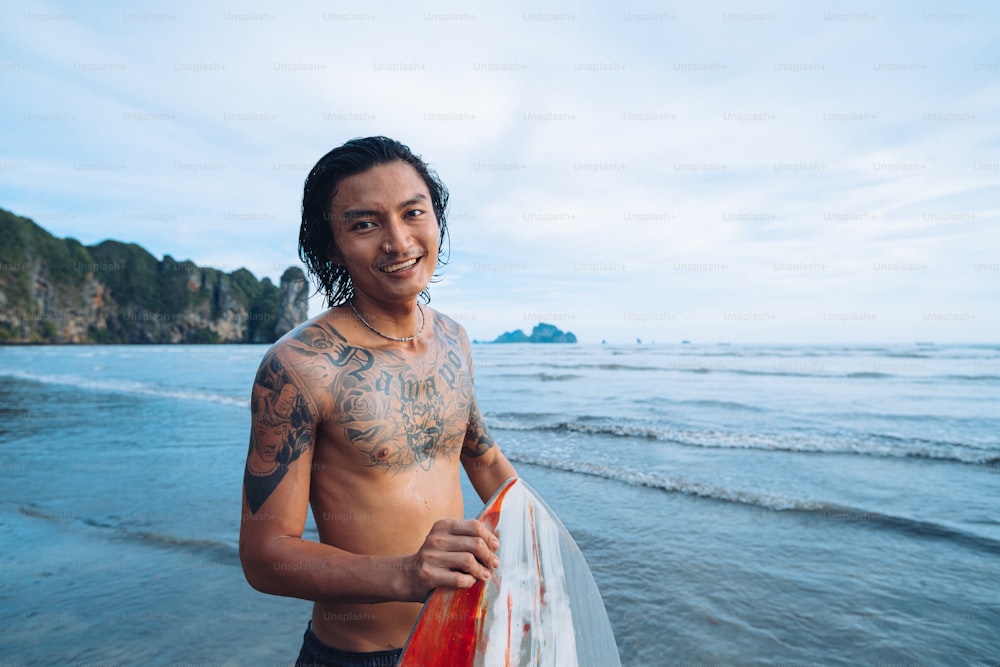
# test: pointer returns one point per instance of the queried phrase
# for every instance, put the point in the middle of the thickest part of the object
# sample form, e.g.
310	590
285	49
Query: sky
766	172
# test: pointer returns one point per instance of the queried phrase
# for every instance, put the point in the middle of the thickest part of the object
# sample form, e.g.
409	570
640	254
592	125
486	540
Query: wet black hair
316	236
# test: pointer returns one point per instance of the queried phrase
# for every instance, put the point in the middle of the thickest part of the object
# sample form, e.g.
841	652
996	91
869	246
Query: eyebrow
356	213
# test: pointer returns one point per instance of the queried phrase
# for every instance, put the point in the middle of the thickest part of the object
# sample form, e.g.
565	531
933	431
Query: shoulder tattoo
280	432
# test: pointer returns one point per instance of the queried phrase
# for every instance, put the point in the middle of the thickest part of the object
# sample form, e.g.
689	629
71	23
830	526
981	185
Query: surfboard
541	607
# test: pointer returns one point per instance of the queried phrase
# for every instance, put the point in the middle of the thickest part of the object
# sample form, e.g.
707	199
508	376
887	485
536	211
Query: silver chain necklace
404	339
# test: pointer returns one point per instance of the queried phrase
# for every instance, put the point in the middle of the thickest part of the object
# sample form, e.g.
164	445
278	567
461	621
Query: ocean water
739	505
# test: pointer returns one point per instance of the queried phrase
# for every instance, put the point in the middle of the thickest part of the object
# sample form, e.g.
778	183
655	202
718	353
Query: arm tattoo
478	441
282	430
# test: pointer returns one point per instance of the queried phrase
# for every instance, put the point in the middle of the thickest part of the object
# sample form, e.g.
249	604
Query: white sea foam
670	484
130	387
811	443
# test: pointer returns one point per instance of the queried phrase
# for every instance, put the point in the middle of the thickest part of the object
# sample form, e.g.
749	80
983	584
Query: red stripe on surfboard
449	628
510	613
534	552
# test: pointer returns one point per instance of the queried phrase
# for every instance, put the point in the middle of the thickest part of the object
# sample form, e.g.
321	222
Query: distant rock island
60	291
542	333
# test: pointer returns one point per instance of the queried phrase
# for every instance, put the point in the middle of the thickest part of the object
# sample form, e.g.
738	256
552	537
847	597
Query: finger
442	578
465	562
454	579
477	547
483	552
473	528
461	580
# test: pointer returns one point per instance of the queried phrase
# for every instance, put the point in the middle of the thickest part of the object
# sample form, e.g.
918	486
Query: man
364	412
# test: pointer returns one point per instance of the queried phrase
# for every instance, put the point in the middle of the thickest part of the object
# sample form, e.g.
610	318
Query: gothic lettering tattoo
400	413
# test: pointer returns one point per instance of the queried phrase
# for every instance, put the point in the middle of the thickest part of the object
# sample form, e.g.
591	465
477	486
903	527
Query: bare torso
391	423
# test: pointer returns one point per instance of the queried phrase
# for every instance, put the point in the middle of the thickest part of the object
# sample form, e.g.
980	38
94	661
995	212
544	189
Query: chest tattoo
400	414
398	411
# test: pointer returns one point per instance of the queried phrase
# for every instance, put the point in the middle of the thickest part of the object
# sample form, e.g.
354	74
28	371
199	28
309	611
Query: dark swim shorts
315	653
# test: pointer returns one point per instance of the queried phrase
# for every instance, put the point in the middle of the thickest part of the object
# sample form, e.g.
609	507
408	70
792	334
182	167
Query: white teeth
392	268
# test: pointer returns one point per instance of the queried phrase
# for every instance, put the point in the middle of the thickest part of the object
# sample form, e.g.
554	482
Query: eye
415	212
363	224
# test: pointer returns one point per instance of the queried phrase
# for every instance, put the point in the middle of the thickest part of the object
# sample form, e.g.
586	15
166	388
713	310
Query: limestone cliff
293	308
61	291
542	333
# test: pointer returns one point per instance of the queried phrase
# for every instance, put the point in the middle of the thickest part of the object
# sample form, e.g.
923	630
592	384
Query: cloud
705	172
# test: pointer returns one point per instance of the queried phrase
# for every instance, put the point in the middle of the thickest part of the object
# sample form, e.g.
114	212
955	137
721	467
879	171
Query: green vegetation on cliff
60	291
61	255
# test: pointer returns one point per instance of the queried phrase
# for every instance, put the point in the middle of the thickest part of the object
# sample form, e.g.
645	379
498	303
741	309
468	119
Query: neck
398	322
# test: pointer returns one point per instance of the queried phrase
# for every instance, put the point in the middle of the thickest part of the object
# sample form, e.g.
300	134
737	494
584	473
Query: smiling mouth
399	266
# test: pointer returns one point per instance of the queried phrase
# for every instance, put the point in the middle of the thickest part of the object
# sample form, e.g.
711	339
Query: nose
395	237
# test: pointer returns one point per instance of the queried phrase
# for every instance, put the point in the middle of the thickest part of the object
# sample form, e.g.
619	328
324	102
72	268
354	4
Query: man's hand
455	554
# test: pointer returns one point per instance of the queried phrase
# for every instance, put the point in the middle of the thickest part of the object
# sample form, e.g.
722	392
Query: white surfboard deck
541	607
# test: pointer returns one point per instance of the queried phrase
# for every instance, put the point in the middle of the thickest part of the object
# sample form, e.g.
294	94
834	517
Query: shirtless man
364	412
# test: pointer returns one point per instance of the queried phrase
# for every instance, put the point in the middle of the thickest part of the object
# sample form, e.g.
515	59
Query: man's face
385	232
